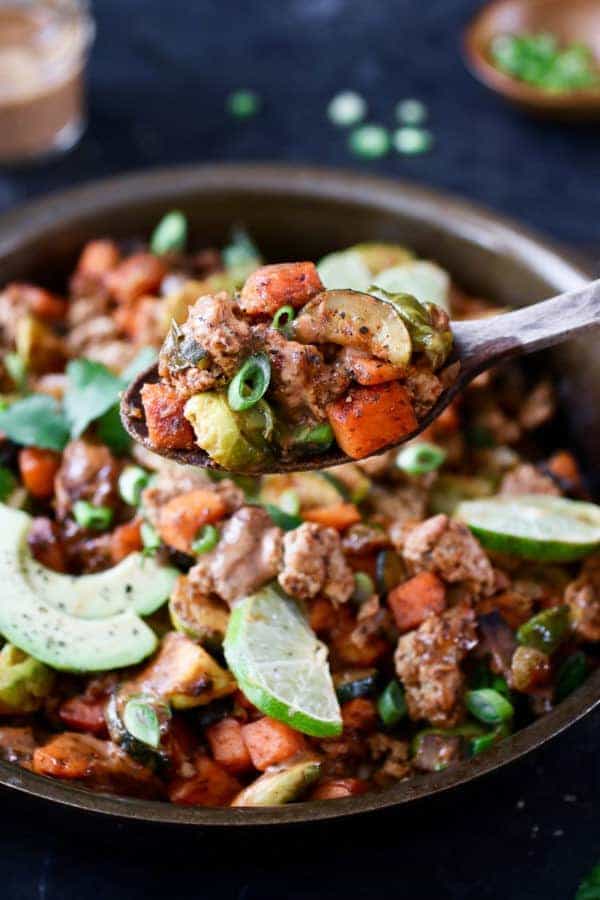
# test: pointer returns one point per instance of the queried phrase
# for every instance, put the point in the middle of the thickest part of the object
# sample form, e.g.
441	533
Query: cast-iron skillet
298	213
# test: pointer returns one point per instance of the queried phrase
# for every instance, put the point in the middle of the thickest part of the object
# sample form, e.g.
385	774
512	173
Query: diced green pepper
546	630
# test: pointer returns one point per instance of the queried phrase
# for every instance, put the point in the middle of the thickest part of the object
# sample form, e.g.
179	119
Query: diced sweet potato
367	370
182	517
137	275
228	747
416	599
84	714
335	788
270	742
564	466
98	258
283	284
212	785
38	468
168	429
126	539
367	419
38	301
339	516
359	714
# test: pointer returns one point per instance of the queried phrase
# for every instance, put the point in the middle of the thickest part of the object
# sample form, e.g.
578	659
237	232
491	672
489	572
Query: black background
159	74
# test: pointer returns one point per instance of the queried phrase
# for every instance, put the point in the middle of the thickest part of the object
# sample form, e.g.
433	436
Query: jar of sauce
43	50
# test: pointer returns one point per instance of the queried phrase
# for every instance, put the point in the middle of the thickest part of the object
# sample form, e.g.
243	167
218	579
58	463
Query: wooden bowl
295	212
570	20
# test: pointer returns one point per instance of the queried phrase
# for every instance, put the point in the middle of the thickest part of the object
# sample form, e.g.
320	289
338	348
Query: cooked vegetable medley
214	639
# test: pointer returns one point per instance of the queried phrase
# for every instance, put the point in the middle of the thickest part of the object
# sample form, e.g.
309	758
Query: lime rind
534	526
280	665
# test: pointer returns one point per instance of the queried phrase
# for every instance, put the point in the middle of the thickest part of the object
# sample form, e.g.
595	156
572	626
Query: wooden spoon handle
481	343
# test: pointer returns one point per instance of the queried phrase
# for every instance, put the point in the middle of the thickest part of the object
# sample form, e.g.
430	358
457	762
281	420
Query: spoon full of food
288	376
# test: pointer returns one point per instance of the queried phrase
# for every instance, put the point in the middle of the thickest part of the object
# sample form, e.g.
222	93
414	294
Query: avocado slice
84	624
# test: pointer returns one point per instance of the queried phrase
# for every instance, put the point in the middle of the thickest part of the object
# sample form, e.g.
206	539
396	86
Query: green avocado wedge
84	624
534	526
280	665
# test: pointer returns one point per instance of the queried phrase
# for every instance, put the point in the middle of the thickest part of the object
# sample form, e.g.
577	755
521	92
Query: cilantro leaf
36	421
111	431
92	390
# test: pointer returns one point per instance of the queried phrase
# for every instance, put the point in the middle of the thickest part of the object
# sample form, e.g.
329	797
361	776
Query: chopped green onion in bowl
538	59
283	317
250	383
150	538
170	235
410	141
206	539
489	706
420	458
411	112
346	108
243	103
132	481
94	518
370	141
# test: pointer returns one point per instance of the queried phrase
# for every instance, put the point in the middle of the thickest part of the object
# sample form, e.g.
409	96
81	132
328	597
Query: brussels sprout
431	339
449	490
38	347
24	682
358	320
200	618
282	785
419	278
233	440
378	257
311	489
177	303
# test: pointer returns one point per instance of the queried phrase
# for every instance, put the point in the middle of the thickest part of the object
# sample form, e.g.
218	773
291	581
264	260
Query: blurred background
158	82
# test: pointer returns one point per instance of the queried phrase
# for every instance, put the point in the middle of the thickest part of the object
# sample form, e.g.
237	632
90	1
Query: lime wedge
280	665
534	526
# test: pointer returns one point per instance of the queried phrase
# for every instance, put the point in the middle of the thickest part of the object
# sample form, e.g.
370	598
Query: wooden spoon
571	21
479	344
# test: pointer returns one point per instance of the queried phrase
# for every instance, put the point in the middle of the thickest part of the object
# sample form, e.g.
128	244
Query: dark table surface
158	78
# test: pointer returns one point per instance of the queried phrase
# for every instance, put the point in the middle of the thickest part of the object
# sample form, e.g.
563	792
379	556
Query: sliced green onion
282	519
206	539
241	252
8	483
132	481
571	674
546	630
411	112
346	108
289	502
321	436
141	721
95	518
411	141
481	743
150	538
170	235
370	141
489	706
391	704
364	588
500	684
250	383
17	369
418	459
243	103
287	314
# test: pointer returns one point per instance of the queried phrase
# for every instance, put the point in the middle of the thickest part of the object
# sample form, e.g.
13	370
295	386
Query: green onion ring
206	539
250	383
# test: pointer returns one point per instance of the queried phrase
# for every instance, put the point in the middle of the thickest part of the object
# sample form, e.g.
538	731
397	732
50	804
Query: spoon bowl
571	21
479	344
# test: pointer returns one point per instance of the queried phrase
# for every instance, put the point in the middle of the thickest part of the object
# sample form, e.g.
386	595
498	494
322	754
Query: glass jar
43	51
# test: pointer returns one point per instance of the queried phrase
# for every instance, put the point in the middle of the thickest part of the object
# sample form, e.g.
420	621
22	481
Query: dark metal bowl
296	213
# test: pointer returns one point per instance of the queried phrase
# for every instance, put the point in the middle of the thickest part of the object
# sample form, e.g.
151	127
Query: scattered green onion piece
206	539
241	253
282	519
500	684
364	588
250	383
411	141
346	108
391	704
370	141
94	518
481	743
289	502
321	436
243	103
571	675
546	630
8	483
287	314
411	112
132	481
141	721
418	459
170	235
17	370
150	538
489	706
